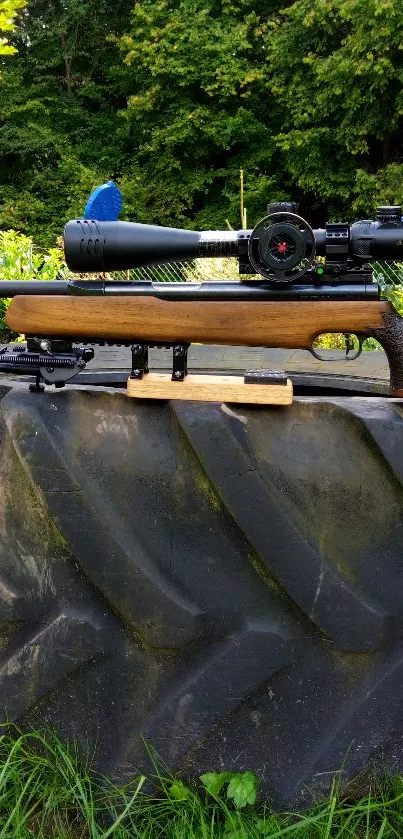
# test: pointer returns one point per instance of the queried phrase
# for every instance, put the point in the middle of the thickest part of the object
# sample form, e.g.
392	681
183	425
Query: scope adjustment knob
282	247
282	207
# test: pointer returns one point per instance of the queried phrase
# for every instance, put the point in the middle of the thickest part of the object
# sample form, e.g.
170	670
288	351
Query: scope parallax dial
282	247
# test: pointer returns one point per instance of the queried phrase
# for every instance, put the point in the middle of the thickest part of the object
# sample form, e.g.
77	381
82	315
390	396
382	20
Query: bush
21	260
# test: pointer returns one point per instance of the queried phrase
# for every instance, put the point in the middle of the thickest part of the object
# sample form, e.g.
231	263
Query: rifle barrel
343	289
10	288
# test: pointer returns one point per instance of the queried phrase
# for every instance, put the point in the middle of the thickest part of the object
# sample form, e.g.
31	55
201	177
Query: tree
59	112
198	110
337	68
172	98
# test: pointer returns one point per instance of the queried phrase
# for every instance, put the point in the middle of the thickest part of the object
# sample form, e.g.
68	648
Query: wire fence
387	274
192	271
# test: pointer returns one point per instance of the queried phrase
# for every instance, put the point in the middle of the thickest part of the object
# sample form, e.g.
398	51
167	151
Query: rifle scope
281	248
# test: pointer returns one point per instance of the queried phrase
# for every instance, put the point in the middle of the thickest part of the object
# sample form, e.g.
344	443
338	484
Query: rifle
309	282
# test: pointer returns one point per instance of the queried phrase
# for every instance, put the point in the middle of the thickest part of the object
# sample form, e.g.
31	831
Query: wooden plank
208	388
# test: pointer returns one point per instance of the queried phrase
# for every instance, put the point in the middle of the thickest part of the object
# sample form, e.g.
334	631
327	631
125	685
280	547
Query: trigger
348	338
351	348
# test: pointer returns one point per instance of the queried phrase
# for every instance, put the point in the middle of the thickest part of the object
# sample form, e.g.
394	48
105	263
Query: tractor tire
223	583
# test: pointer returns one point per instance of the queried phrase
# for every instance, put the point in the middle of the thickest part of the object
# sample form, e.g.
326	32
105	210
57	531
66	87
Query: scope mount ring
282	247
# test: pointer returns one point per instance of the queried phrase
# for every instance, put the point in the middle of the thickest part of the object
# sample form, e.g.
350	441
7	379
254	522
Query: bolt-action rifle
295	284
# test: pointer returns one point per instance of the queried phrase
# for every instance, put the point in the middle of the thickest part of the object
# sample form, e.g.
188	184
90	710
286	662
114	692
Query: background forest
170	99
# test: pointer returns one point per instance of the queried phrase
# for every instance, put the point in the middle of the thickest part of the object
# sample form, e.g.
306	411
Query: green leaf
179	791
242	789
214	781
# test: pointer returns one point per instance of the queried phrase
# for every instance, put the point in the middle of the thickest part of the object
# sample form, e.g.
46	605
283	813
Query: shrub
21	260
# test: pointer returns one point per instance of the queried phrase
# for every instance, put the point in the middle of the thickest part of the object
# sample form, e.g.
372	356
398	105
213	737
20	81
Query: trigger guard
347	357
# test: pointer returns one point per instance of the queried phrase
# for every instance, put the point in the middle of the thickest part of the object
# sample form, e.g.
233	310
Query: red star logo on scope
282	247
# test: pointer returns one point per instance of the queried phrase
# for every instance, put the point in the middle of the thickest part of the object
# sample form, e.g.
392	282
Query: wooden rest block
205	388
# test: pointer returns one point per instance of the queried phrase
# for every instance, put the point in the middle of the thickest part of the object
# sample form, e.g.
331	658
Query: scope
281	248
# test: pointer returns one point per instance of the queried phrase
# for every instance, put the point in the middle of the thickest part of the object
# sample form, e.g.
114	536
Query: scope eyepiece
380	239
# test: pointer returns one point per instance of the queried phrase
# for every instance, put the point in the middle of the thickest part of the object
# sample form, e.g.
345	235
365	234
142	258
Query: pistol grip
390	337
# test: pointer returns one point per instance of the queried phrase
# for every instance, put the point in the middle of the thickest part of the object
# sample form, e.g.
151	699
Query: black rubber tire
226	582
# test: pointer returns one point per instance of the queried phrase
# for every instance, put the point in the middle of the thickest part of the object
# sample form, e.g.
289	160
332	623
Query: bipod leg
37	387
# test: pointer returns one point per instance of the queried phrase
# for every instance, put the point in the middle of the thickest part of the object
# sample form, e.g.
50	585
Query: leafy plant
241	786
21	260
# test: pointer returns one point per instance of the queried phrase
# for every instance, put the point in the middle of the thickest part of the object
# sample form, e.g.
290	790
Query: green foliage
195	80
49	791
337	67
213	782
171	98
8	11
179	791
241	789
20	260
59	122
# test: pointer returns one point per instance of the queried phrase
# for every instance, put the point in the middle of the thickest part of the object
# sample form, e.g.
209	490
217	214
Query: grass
46	792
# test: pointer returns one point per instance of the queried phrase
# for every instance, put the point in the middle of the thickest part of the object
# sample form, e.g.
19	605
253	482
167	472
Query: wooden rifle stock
289	324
